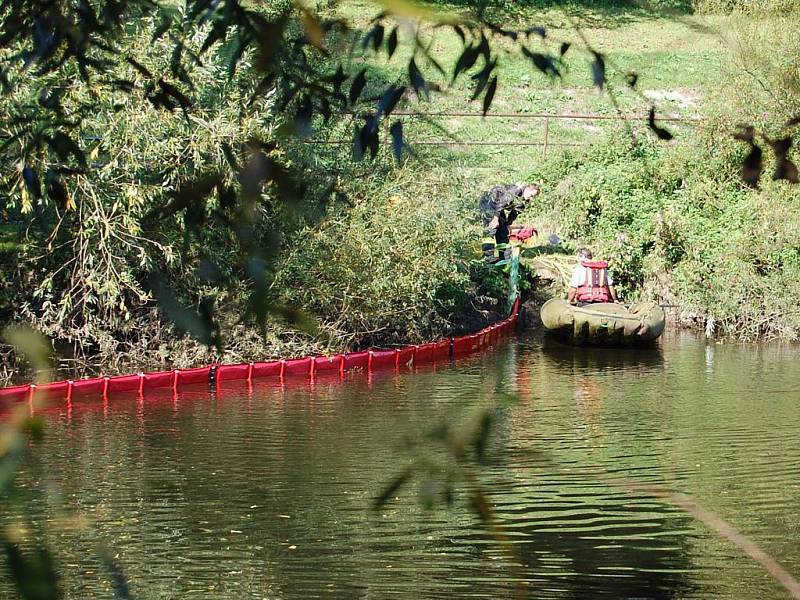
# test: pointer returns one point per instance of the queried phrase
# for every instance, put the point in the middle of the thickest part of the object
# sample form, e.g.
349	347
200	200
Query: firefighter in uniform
499	208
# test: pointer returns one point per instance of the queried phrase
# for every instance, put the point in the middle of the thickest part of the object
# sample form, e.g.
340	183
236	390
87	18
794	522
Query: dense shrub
87	256
385	269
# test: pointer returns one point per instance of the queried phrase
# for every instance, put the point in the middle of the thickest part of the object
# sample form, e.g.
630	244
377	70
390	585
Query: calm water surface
267	492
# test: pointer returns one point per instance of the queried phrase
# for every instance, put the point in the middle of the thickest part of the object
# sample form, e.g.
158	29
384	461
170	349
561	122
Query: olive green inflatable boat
604	324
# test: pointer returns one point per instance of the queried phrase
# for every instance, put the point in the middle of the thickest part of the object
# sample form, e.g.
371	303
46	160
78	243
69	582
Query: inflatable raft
604	324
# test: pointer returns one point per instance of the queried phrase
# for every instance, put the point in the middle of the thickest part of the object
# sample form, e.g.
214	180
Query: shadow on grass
545	250
607	14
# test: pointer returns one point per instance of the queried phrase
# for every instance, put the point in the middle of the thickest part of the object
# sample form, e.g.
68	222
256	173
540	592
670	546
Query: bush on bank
389	268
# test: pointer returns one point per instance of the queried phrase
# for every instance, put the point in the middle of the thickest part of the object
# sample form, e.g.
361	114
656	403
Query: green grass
675	57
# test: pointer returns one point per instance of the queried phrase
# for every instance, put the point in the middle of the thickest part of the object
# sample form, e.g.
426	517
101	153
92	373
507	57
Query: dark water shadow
592	358
657	568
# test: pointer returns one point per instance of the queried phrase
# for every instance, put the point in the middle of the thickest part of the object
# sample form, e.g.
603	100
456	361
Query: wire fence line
528	115
544	141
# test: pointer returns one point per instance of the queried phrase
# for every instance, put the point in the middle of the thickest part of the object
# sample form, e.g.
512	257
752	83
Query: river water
268	492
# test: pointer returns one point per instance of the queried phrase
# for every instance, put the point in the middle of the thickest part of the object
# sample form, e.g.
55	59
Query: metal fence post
546	136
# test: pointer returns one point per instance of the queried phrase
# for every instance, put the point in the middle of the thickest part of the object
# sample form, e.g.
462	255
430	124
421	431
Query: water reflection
579	535
265	491
590	359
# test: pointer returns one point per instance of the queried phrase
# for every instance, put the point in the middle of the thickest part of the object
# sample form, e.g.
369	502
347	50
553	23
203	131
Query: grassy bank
676	219
688	236
671	54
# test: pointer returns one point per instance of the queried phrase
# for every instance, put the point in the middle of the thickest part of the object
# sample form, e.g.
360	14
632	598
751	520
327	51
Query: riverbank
674	218
378	254
678	226
168	350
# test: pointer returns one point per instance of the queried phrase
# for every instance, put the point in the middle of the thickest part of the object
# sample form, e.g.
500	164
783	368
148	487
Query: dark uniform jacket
504	202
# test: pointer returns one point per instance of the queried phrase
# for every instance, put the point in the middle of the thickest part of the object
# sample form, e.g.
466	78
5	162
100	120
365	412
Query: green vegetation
382	266
84	259
676	220
143	228
687	233
164	234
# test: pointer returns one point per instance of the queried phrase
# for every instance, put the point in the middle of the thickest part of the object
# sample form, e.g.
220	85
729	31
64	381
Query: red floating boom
307	368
